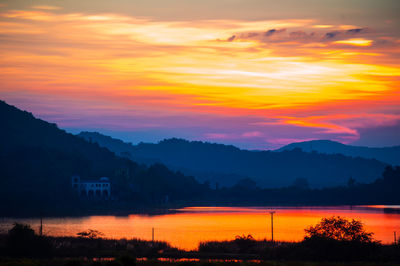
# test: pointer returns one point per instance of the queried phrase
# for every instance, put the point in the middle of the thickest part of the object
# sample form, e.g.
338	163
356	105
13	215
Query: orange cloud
31	15
47	7
355	42
181	66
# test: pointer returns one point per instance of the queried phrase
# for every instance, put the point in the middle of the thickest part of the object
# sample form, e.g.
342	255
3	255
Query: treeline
384	190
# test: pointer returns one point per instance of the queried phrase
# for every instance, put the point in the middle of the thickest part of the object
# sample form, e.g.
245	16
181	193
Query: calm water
188	226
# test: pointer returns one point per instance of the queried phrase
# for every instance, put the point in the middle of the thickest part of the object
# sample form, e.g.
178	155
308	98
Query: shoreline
176	208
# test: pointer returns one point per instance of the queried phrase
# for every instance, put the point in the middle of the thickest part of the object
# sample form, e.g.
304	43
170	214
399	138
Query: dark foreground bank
129	261
60	250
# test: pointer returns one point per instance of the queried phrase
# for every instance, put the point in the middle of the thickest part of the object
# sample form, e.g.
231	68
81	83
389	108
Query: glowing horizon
256	83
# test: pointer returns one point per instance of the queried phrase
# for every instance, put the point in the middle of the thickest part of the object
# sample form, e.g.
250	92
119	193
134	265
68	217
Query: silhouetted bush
245	243
91	234
339	238
339	229
241	244
22	241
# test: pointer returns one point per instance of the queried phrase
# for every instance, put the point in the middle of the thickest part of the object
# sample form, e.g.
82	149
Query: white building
93	189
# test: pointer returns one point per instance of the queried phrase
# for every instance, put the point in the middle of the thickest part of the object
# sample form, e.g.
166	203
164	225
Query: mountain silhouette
227	165
37	160
390	155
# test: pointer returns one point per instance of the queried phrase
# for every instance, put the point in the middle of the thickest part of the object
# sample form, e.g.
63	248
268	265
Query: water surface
186	227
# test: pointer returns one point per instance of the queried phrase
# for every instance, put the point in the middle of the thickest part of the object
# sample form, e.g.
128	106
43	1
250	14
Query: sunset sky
254	73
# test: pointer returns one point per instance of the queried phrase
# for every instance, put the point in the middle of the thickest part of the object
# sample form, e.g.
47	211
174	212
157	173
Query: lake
186	227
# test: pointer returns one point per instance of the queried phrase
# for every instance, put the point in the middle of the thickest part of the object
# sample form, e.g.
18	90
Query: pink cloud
252	134
218	136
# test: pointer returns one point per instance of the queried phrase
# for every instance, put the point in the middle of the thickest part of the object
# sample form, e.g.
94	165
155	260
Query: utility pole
152	234
272	227
41	225
395	238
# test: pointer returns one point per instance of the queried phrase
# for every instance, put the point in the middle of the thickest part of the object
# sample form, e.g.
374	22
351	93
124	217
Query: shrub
337	238
339	229
23	242
91	234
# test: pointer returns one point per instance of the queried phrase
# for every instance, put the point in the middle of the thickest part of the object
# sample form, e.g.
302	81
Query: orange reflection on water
189	226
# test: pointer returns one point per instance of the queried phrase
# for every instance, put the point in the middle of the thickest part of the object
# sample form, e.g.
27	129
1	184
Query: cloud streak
278	80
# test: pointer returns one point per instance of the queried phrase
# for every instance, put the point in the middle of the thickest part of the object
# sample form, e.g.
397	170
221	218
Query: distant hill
227	165
37	160
390	155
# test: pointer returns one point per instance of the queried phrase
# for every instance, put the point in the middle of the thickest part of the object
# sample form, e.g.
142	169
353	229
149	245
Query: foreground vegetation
334	239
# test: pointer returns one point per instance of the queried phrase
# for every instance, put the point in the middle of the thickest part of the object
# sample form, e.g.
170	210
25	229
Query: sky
257	74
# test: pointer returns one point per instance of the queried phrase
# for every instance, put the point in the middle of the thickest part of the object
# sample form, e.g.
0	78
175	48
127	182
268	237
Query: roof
94	181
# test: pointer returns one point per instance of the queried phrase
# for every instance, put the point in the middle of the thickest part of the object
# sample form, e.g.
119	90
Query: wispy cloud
47	7
356	42
290	74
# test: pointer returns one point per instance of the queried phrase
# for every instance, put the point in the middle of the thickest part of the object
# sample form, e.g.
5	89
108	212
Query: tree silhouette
339	229
91	234
22	241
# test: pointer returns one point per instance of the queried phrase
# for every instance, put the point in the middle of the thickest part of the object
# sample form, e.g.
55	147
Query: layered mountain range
227	165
